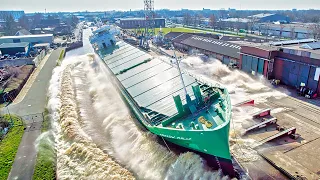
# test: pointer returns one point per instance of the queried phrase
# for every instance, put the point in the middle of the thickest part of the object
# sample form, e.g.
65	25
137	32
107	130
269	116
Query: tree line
11	26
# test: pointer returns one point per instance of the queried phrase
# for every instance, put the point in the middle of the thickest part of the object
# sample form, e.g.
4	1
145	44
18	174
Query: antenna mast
149	17
181	78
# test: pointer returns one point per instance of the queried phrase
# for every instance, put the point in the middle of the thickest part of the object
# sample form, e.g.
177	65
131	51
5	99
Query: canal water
96	138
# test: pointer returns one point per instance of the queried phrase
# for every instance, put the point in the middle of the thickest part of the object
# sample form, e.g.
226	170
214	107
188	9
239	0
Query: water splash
241	87
93	127
77	156
191	166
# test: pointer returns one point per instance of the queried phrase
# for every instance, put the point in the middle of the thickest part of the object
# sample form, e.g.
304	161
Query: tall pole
184	86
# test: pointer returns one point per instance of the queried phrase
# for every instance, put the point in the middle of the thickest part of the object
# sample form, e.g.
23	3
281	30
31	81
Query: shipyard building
208	44
132	23
32	39
266	17
292	62
14	48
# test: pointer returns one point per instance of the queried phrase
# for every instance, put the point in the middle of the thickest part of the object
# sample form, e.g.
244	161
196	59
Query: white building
32	39
292	31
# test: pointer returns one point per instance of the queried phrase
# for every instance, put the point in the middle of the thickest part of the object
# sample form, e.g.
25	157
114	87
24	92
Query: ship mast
181	78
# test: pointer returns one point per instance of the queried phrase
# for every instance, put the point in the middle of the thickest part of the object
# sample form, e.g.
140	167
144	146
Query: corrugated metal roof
172	35
298	41
22	32
313	46
261	15
14	45
26	36
247	38
213	45
181	37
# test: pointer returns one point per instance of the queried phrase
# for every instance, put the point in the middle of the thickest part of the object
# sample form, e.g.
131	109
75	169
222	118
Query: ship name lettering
174	137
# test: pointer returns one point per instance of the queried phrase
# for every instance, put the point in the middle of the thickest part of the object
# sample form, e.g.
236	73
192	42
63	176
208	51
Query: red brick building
291	63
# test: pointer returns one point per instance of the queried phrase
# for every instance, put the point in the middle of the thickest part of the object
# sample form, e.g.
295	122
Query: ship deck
152	84
208	113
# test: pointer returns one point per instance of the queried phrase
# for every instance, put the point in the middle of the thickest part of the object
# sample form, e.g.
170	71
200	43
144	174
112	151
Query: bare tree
196	20
315	30
36	19
249	26
237	25
212	21
200	19
266	29
282	26
292	32
10	25
24	22
187	19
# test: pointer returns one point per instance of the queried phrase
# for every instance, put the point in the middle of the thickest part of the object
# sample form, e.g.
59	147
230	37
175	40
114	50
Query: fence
16	62
38	59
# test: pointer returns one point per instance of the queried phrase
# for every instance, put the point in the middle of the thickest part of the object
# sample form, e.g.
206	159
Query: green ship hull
198	121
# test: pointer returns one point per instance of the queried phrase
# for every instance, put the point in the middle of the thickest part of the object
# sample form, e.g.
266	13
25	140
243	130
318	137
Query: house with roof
22	32
267	17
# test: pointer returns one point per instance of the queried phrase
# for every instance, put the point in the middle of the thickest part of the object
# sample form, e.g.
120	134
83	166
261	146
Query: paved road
34	102
35	99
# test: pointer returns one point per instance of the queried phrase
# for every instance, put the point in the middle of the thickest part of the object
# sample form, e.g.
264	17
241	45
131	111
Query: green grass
185	30
45	167
61	57
9	146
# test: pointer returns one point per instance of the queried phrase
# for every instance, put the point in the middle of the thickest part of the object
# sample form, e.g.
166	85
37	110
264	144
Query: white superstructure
33	39
104	36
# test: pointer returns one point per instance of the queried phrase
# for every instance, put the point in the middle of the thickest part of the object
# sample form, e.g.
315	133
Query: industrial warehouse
292	62
33	39
132	23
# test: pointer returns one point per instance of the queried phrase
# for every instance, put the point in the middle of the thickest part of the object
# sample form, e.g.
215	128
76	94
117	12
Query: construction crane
150	23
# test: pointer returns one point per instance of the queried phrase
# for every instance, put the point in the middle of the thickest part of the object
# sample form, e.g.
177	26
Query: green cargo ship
172	104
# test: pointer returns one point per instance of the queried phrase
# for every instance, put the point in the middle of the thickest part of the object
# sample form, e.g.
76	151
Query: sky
105	5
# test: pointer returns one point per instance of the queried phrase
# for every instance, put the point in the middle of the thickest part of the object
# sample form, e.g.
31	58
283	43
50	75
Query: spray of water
77	156
241	87
93	130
